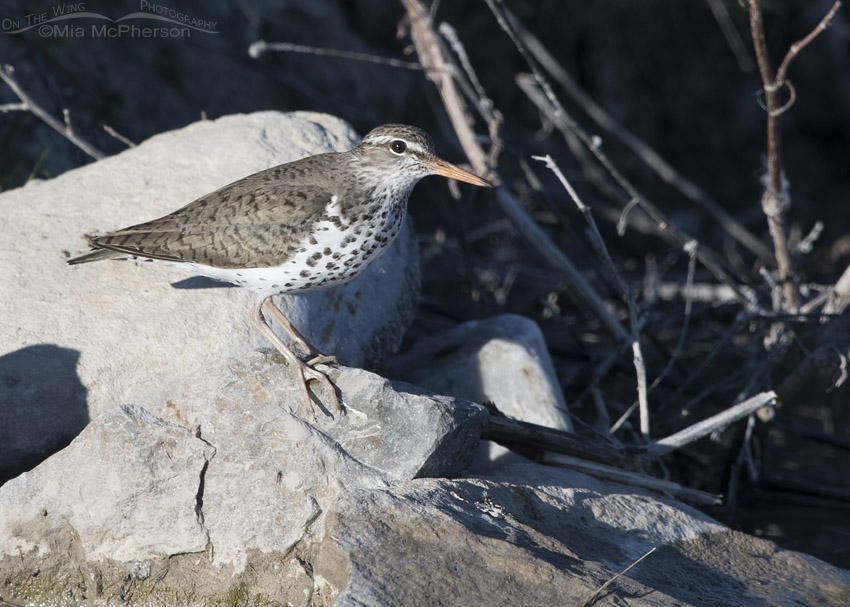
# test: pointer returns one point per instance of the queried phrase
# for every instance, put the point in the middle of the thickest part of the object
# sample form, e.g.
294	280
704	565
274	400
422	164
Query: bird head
407	151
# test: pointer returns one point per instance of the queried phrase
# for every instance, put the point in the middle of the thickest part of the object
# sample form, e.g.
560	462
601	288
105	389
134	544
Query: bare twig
118	136
745	456
804	42
261	46
14	107
733	38
626	290
591	600
840	296
707	426
775	199
65	130
609	473
514	431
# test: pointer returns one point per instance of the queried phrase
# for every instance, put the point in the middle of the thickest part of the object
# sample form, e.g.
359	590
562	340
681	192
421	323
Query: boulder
224	470
223	498
502	359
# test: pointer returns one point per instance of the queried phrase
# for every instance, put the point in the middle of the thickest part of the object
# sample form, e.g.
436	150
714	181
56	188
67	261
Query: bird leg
304	370
301	341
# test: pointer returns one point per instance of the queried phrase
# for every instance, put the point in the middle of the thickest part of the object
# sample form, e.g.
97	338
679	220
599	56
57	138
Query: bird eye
398	146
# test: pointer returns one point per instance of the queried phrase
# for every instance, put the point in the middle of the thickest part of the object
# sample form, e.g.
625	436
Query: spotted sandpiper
299	226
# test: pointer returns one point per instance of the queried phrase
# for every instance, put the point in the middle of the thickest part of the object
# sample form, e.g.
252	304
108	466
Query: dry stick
485	105
690	249
616	475
715	422
733	38
745	455
261	46
840	295
14	107
775	200
118	136
590	600
6	72
508	430
432	59
628	293
642	149
666	227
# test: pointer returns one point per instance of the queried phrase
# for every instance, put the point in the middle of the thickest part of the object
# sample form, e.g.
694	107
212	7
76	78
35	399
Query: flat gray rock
77	340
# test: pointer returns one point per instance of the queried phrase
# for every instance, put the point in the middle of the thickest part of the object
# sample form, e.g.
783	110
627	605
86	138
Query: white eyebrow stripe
411	145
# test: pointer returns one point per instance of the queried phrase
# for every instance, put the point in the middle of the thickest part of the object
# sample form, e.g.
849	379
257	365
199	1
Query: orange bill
447	169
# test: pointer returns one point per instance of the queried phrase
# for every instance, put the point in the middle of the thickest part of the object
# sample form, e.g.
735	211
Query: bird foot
309	373
322	359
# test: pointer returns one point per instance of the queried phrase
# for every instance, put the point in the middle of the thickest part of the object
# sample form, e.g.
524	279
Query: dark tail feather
96	255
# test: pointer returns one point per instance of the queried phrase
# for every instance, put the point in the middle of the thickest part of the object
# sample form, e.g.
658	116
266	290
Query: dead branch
776	200
513	431
66	131
592	598
625	289
733	38
715	422
126	141
634	479
261	46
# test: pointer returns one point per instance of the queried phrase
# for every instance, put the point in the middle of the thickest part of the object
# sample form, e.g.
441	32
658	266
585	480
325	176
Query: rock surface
227	498
77	340
223	469
503	359
537	536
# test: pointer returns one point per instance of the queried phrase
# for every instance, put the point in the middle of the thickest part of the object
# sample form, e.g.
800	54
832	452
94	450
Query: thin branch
803	43
733	38
14	107
713	423
840	296
65	130
118	136
616	475
590	600
626	290
776	200
513	431
261	46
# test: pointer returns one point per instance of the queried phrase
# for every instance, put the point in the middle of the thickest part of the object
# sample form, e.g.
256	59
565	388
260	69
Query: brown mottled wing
255	222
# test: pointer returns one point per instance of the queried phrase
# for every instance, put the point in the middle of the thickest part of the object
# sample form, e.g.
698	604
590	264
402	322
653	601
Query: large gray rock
538	536
77	340
223	470
230	499
503	360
